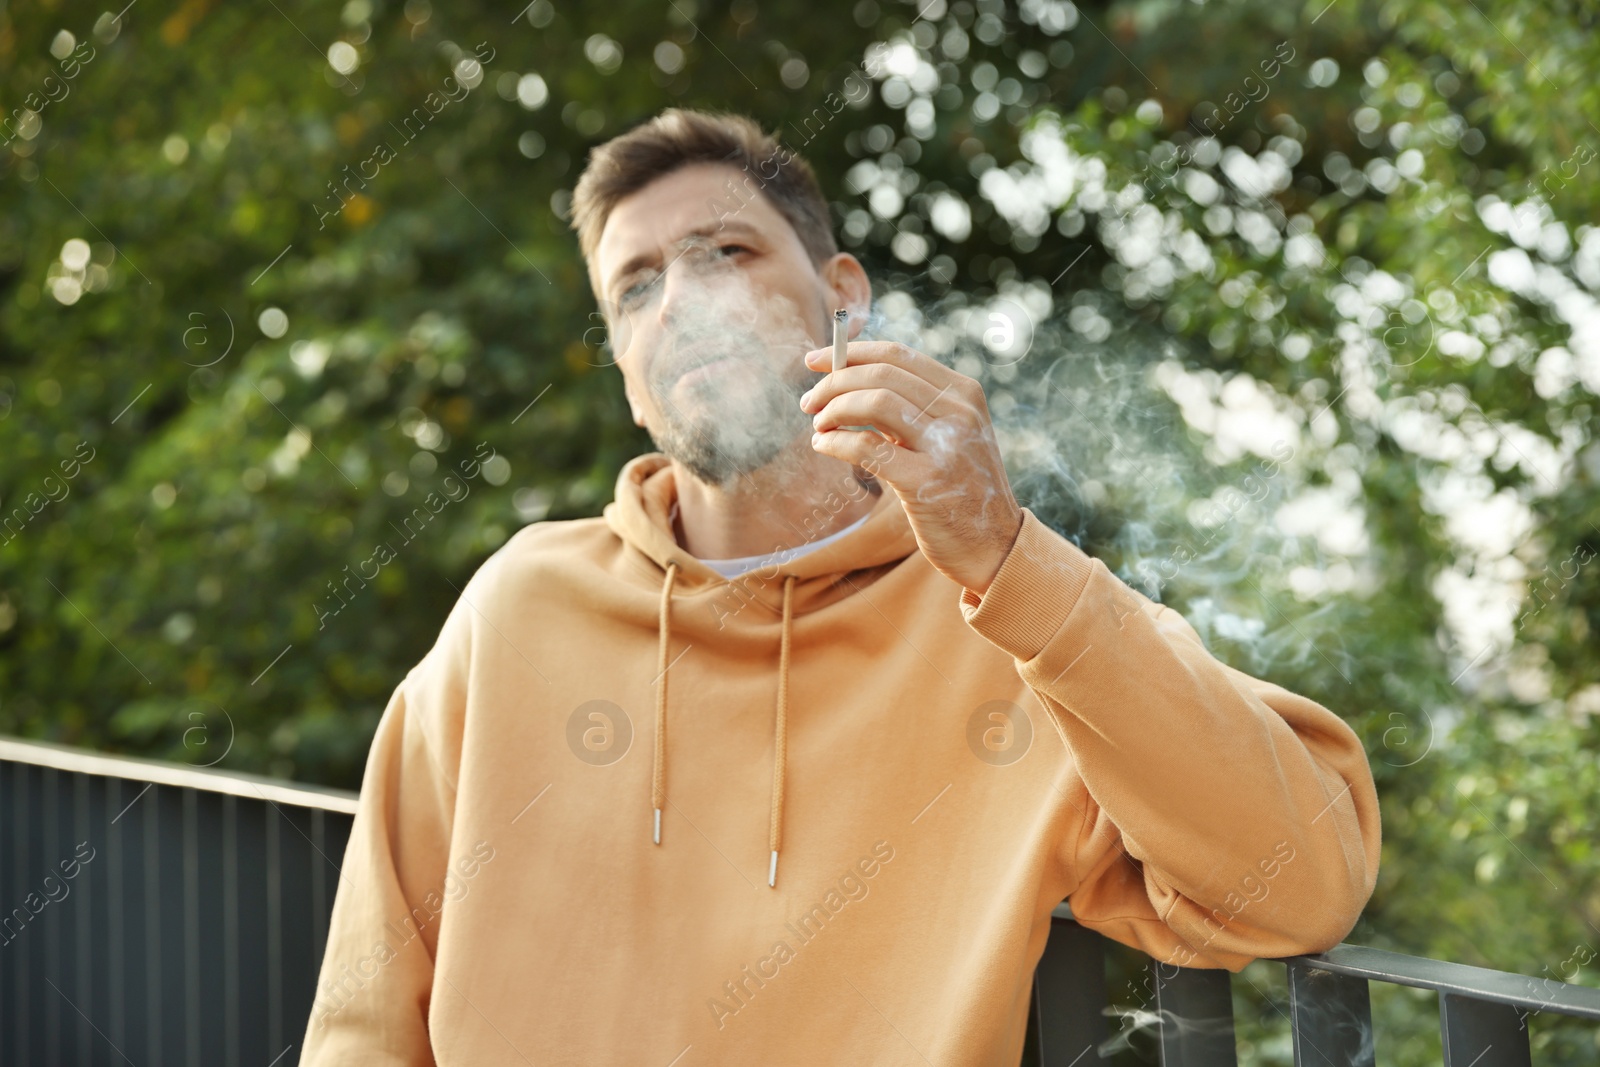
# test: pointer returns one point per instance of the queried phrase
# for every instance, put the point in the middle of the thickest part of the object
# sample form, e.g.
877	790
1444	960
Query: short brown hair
680	136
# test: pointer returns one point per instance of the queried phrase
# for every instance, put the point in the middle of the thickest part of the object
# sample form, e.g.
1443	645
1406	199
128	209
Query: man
787	758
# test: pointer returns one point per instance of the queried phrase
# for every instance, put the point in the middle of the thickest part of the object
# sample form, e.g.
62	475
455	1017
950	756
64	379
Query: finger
893	353
918	391
884	410
872	453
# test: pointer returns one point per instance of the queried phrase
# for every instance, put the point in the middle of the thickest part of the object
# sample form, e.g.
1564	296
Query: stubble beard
739	420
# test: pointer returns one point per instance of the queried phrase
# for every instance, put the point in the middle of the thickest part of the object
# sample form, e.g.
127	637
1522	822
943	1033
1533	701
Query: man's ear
849	287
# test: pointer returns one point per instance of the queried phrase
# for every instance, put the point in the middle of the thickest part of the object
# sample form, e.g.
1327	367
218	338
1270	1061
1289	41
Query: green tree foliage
293	334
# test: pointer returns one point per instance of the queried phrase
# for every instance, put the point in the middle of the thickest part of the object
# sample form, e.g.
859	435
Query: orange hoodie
873	788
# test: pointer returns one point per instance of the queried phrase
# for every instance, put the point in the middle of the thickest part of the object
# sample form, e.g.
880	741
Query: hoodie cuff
1033	592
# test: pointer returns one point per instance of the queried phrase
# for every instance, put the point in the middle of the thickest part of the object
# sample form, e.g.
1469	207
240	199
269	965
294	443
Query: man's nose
676	285
687	280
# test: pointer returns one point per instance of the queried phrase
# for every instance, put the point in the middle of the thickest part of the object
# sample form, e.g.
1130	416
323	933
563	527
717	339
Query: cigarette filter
841	320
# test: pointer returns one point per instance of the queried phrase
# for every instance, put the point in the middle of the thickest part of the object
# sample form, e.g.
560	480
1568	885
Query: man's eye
636	292
725	249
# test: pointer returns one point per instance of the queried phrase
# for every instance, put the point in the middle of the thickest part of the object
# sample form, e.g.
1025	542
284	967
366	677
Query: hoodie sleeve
1221	818
376	981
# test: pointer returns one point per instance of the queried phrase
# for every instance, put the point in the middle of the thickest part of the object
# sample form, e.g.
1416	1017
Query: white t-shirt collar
733	568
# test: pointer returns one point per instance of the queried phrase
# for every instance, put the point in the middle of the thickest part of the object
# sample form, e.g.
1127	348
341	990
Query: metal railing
1482	1013
153	913
202	904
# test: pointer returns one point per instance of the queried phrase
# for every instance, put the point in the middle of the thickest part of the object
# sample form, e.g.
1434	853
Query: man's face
712	303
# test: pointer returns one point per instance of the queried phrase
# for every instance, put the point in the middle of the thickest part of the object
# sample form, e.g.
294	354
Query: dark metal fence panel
1195	1007
1332	1018
159	914
1481	1033
1070	995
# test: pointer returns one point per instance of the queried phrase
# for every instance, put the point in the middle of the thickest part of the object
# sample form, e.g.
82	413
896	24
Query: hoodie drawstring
780	737
658	775
780	745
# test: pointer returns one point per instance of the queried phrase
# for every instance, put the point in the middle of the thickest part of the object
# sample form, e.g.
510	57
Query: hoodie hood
641	515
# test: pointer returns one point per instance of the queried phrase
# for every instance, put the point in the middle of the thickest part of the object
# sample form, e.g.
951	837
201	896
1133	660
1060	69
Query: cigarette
841	318
841	322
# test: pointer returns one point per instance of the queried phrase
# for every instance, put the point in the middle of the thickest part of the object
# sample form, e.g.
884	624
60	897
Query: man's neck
780	506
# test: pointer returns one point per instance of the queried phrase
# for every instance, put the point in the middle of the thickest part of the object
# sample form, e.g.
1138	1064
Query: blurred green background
1314	344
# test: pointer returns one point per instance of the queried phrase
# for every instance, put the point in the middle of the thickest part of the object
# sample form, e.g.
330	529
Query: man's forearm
1212	777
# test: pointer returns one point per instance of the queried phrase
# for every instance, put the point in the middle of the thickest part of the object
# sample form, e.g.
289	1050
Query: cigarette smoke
1095	445
744	415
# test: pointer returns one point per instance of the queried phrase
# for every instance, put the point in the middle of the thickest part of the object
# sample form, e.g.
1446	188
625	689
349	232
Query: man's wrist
1032	594
998	556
